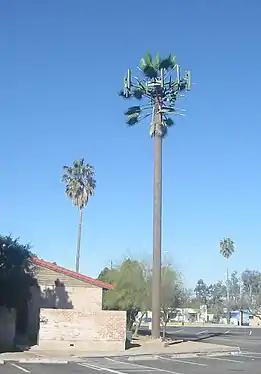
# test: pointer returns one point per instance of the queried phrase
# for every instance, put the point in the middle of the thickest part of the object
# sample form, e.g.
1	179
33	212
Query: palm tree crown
227	247
159	88
80	182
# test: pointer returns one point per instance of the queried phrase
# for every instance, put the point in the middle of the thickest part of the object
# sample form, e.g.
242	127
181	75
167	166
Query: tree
217	293
131	290
227	248
202	292
80	184
173	294
16	273
160	91
251	282
235	291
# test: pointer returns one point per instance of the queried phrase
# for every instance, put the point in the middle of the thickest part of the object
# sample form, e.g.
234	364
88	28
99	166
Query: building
65	311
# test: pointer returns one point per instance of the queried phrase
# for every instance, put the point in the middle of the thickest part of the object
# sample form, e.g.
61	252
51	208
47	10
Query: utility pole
161	91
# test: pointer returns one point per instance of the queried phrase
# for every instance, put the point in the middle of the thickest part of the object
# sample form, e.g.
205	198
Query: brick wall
71	329
7	328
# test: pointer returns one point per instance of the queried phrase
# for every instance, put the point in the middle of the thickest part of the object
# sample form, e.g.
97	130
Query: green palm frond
168	63
133	110
132	119
138	93
227	247
150	71
157	61
79	182
167	121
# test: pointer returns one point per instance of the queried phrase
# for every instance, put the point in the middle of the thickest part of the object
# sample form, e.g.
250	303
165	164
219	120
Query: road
244	337
244	363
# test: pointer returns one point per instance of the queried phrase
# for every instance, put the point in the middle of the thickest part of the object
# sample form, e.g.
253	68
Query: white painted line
222	359
176	331
139	370
148	367
251	353
101	368
20	368
127	363
248	356
89	366
182	361
201	332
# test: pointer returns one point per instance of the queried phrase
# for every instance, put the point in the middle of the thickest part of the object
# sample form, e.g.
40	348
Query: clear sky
62	64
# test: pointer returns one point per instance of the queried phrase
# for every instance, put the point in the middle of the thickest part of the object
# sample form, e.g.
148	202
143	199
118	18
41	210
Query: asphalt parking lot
244	337
243	363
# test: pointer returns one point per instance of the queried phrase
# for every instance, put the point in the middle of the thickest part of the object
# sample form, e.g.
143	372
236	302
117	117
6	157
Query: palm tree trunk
157	217
79	242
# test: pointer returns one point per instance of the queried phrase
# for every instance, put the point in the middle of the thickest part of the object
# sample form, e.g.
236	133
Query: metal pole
228	315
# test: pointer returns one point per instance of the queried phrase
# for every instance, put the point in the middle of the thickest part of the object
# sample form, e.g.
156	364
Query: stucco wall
59	291
7	328
71	329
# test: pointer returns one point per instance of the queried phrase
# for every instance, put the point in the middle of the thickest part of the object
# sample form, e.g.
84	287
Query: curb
42	361
184	355
2	362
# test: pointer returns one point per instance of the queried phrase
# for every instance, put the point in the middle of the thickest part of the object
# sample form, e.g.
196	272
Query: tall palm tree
80	184
157	86
227	248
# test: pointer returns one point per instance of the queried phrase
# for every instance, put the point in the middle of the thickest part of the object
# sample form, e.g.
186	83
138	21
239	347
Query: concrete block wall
82	299
7	328
71	329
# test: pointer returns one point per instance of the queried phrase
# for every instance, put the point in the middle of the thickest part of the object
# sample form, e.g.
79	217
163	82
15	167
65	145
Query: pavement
247	338
144	348
209	349
247	362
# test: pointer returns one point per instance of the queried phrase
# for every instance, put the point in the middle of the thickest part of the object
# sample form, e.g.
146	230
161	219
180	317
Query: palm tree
227	248
80	184
160	90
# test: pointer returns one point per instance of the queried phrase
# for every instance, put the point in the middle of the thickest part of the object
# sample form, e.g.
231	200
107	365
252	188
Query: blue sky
62	64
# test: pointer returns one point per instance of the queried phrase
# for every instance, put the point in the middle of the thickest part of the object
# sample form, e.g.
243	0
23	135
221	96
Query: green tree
130	291
227	248
80	184
161	92
235	291
16	277
202	292
251	282
173	294
217	292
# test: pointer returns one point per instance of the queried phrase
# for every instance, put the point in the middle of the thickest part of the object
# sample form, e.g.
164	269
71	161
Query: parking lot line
182	361
223	359
20	368
202	332
249	356
90	366
251	353
147	367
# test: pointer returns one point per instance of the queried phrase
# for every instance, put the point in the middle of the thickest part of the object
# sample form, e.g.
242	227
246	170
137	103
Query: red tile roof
70	273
